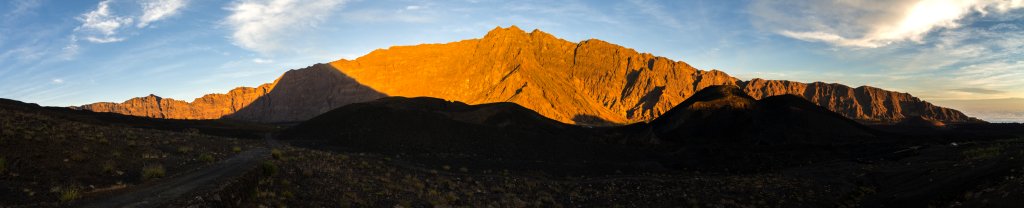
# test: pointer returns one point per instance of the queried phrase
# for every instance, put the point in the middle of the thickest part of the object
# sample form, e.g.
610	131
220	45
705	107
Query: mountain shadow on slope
725	114
302	94
496	135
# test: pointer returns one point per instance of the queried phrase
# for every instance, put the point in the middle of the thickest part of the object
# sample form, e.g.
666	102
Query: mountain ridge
586	82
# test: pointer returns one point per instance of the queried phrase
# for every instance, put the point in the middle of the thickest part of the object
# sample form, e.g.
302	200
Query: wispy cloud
103	26
866	24
979	90
21	7
655	10
100	25
57	81
423	13
259	25
155	10
262	61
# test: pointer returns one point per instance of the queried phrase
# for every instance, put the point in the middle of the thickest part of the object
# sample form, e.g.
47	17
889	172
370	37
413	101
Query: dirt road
161	192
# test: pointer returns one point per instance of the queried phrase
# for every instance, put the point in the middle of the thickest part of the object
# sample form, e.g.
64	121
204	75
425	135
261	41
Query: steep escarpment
863	103
589	82
295	96
211	106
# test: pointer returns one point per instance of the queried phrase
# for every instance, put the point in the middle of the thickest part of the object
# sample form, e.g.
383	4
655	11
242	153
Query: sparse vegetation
109	167
44	148
276	153
269	168
69	193
153	171
236	149
983	152
184	149
207	158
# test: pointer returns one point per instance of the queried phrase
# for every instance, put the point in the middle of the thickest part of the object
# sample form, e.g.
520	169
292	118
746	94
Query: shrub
108	166
269	168
153	171
184	149
236	149
206	158
276	154
78	157
70	193
3	164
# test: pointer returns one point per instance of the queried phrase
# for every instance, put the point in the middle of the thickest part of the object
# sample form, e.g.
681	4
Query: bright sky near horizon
963	54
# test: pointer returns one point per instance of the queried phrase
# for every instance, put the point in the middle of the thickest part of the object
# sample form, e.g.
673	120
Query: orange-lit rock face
295	96
862	103
590	82
211	106
563	80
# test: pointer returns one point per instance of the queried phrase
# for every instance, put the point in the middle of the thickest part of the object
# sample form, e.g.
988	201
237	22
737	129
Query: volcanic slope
496	133
590	82
725	114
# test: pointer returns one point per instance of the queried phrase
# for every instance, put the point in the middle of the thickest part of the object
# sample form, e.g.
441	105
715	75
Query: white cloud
103	26
870	24
413	7
100	25
262	61
103	39
260	24
155	10
57	81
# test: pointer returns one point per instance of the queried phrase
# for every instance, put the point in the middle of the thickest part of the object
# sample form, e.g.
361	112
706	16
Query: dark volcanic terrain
719	148
513	119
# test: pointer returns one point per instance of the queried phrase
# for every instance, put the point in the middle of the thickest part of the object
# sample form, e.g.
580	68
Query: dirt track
161	192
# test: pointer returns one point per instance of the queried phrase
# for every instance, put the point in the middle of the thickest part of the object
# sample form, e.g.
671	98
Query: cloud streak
155	10
260	25
865	24
979	90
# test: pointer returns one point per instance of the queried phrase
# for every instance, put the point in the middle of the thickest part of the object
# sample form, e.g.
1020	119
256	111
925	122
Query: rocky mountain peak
590	82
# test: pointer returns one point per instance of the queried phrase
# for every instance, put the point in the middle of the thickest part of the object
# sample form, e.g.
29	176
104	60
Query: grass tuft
276	154
236	149
109	167
184	149
207	158
70	193
153	171
269	168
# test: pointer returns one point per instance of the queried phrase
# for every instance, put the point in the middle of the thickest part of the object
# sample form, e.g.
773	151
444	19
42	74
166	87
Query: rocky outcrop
295	96
211	106
863	103
589	82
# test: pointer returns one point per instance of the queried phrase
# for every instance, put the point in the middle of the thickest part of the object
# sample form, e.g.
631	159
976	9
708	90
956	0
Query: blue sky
963	54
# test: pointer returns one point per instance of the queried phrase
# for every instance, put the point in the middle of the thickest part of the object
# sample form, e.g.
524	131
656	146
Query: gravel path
161	192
